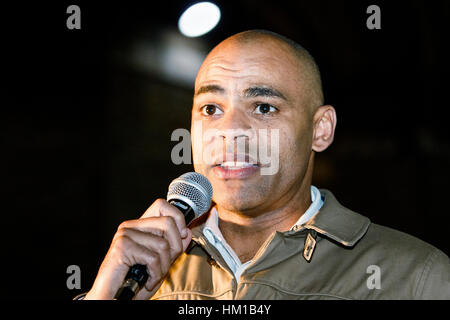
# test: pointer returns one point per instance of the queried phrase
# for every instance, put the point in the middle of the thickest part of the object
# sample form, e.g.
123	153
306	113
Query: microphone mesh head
194	188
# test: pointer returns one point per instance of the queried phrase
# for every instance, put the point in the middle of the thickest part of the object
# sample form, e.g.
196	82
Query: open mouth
236	169
236	165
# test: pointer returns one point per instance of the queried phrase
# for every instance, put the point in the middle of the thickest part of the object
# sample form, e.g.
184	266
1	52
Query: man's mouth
227	170
236	165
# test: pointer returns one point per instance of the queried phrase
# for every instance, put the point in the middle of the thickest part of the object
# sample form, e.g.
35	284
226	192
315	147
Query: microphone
191	193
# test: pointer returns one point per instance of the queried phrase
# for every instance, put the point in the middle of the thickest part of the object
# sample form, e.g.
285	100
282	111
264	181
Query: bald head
306	69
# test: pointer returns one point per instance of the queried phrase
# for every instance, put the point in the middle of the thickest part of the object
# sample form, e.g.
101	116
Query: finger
130	253
163	227
148	290
162	208
150	241
156	274
187	240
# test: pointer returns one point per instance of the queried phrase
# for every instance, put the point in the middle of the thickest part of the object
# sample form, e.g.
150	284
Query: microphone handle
137	276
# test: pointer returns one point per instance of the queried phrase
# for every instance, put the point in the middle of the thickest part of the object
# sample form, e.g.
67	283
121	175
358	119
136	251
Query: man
267	236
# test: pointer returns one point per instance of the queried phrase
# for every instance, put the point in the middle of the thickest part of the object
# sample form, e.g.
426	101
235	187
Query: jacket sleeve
434	282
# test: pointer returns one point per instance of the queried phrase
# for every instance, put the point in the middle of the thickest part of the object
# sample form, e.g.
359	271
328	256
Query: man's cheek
269	151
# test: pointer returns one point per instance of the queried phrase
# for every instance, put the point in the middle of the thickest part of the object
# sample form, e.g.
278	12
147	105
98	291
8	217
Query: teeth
237	164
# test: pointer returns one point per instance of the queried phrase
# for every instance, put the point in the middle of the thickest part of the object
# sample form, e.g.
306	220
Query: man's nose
233	125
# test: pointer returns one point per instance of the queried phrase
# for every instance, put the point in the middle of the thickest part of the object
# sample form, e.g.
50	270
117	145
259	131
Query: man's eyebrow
210	88
258	91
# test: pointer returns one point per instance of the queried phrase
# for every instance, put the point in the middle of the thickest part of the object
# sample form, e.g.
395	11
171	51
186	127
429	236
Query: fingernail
184	233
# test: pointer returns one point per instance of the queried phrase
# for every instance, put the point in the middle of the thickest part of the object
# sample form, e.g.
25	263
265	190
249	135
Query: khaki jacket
338	254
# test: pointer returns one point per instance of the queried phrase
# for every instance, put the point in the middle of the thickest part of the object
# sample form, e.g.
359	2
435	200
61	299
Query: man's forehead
239	79
246	69
249	90
264	59
233	56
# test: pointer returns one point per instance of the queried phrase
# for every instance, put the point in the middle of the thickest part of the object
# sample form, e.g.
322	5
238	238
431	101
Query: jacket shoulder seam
424	274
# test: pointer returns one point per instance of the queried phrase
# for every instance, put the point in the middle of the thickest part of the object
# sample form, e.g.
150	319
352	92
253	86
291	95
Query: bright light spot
199	19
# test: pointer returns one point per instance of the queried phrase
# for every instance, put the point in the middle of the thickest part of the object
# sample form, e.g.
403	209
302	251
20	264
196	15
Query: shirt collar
211	227
315	206
212	224
333	221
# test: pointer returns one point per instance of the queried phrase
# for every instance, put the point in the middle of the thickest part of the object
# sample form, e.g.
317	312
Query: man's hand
155	240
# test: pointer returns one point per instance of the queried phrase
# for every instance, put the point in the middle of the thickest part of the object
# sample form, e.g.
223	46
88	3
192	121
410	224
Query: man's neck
245	234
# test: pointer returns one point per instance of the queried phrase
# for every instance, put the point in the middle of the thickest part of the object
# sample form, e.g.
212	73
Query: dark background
86	134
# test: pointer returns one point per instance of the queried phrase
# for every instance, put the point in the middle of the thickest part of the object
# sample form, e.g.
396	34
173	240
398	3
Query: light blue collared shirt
212	233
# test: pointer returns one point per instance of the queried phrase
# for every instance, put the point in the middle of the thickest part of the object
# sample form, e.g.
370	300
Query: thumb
187	239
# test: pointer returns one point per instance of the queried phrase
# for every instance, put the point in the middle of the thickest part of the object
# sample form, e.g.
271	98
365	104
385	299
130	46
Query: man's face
240	89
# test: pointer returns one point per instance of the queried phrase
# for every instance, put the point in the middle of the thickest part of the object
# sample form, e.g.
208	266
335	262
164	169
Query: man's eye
211	110
264	108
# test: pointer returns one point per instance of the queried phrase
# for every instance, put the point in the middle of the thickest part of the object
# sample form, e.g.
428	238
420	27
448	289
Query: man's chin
236	201
239	194
238	207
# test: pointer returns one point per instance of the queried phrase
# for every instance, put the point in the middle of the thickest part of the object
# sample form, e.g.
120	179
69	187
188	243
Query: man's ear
324	124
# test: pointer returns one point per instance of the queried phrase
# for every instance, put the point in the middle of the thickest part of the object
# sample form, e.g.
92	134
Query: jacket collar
337	222
333	221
